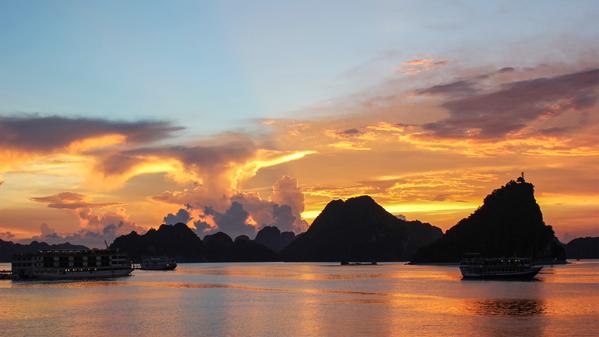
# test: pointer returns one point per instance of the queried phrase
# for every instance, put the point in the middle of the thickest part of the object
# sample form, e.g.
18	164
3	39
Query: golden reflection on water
305	300
326	271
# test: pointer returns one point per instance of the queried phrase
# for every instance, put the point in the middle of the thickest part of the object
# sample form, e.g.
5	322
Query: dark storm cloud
233	221
462	87
514	105
182	216
283	216
555	131
201	227
50	133
350	132
203	157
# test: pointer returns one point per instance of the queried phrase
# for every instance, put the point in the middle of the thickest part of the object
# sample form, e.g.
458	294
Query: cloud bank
96	226
432	142
42	134
243	213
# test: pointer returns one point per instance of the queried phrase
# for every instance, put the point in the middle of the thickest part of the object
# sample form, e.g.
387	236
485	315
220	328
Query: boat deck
5	274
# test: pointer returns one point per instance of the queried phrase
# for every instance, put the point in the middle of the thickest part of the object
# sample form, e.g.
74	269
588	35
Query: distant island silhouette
177	241
359	229
355	230
274	239
509	223
182	243
583	248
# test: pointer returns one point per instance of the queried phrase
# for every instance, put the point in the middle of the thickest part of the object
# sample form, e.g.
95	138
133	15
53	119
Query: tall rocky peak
509	223
359	229
353	213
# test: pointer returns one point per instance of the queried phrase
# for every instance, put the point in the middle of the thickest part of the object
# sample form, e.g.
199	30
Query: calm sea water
296	299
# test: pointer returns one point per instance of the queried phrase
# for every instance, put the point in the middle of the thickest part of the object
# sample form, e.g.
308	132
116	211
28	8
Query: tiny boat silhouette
513	268
158	263
348	263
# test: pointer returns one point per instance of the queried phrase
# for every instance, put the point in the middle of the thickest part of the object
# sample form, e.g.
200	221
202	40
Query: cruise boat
158	263
71	264
514	268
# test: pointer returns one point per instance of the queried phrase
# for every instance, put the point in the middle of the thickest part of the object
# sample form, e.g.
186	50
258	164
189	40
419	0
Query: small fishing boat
347	263
158	263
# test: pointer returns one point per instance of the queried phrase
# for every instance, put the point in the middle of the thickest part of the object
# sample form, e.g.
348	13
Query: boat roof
69	252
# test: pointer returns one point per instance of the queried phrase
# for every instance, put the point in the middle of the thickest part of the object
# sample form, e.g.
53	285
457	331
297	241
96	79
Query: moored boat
71	264
158	263
513	268
348	263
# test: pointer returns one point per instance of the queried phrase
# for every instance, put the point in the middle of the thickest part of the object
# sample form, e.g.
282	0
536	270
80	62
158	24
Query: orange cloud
549	131
423	146
91	143
69	200
416	66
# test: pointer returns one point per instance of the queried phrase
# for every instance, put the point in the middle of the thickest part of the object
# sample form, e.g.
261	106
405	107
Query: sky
232	115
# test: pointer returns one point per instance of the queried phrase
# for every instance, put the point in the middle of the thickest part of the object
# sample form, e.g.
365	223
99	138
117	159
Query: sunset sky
231	115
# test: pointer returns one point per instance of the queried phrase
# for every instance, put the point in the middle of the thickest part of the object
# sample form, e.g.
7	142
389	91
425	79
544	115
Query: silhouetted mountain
359	229
220	247
271	237
180	242
177	241
242	237
509	223
251	251
583	248
8	248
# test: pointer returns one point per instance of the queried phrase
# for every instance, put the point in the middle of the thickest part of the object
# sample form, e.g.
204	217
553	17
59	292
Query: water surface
301	299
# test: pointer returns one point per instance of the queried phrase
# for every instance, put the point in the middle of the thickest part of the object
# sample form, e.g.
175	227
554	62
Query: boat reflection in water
512	268
508	307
